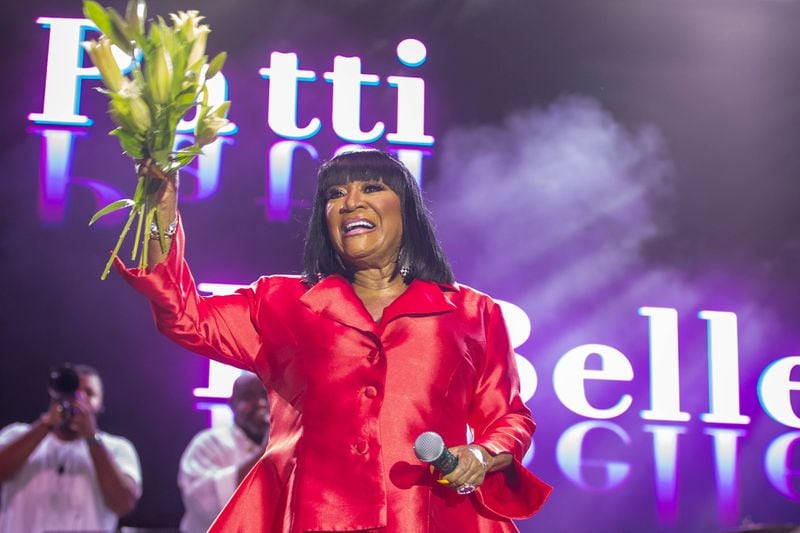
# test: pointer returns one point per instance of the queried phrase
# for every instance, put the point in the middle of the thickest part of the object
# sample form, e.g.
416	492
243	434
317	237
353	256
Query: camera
63	382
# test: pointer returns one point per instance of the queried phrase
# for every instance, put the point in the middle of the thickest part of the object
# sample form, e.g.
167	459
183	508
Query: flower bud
129	108
140	114
161	82
199	46
208	128
100	53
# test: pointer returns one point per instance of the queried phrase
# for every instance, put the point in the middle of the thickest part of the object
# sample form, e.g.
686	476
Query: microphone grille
429	446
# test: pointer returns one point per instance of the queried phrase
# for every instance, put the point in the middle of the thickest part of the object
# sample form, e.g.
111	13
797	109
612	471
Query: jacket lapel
334	298
420	298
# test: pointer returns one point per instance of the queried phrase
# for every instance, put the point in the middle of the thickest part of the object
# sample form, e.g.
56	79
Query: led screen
623	176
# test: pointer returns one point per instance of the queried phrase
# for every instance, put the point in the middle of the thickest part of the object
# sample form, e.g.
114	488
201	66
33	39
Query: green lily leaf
122	120
110	208
193	69
216	64
161	157
191	149
131	144
221	110
182	159
120	34
137	197
97	14
161	33
185	101
204	100
136	14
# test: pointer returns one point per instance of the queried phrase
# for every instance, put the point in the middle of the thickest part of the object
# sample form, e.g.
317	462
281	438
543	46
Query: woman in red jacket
372	346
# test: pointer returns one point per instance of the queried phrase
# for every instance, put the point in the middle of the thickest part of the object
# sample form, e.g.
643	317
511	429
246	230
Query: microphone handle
446	462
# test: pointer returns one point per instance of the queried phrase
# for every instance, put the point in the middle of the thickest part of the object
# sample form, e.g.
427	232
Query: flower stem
119	243
139	207
138	234
148	220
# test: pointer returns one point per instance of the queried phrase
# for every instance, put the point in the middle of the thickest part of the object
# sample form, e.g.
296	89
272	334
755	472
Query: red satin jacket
349	396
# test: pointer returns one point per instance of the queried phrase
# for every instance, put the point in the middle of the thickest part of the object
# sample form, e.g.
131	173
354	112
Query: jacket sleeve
219	327
503	424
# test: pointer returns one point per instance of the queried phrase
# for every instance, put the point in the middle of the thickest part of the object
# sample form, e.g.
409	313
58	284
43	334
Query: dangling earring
340	262
405	271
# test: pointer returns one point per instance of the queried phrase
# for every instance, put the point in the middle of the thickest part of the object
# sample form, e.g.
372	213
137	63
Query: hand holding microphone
462	467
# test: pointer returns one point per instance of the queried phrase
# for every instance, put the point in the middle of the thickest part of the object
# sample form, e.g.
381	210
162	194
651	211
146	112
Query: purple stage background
609	167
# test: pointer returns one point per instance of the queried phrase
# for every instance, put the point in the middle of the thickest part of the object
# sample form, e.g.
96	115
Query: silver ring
465	489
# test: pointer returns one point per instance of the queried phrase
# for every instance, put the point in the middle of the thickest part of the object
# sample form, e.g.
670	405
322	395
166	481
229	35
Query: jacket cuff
163	278
513	493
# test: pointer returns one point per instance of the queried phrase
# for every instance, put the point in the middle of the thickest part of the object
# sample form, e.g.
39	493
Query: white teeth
358	224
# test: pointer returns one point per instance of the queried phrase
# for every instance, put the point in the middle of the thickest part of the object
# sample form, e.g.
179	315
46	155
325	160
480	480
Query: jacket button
370	392
361	447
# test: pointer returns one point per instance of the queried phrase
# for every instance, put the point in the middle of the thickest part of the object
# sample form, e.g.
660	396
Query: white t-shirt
57	489
208	473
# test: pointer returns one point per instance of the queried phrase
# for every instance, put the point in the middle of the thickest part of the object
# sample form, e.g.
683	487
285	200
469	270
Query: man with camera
61	472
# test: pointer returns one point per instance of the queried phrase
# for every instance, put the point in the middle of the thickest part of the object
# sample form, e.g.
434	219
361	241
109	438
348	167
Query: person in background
61	473
217	459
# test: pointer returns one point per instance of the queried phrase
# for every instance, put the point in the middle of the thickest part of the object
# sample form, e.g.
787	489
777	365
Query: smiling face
364	222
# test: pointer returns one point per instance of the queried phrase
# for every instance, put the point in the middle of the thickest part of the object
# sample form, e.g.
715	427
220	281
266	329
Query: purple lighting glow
621	179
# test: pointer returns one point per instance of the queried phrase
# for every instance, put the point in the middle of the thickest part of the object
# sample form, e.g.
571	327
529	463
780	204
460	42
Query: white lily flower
188	23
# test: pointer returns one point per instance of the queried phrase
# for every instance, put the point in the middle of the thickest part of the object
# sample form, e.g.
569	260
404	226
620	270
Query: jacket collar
335	298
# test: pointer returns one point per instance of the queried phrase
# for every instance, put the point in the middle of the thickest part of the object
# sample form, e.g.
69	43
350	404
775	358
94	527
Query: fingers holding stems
158	208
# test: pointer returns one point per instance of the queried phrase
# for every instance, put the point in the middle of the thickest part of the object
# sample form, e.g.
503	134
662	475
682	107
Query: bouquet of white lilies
167	79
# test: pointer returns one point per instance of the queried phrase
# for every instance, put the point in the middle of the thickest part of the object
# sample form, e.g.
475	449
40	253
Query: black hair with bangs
420	251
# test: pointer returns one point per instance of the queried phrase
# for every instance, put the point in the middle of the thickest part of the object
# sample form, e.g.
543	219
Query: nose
352	199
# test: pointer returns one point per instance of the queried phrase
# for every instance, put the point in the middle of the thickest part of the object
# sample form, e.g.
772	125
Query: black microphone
429	447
